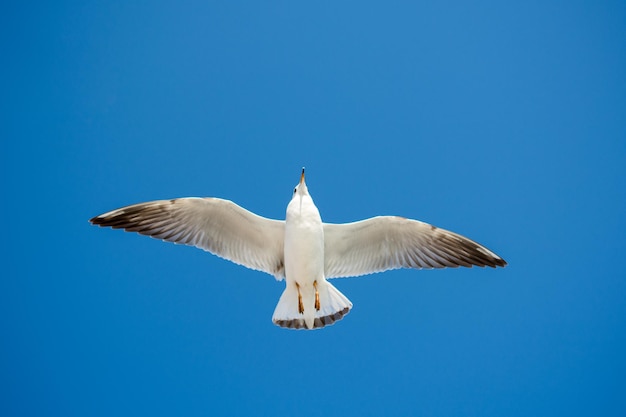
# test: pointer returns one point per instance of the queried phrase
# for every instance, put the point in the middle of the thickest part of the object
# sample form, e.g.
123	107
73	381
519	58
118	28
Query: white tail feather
333	305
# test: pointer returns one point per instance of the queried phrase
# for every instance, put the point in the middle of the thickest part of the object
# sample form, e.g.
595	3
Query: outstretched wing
387	242
215	225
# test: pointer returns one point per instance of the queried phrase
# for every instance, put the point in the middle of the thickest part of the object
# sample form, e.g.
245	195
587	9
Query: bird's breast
304	251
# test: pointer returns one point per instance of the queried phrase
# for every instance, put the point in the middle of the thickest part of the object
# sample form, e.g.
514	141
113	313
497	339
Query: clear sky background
502	121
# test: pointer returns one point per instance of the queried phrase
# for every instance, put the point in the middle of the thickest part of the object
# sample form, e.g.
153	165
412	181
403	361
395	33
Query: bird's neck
303	210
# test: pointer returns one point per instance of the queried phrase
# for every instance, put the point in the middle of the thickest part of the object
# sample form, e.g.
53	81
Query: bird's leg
317	296
300	304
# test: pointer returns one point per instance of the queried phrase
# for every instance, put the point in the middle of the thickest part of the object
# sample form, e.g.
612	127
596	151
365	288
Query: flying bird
301	249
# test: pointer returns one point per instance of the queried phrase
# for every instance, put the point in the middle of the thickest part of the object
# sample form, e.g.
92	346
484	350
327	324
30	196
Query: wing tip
96	221
492	262
500	262
107	221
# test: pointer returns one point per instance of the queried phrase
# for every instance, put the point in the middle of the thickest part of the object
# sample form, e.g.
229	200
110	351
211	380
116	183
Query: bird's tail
300	308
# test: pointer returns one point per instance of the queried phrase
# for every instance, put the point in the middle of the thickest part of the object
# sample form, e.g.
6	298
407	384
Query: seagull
301	249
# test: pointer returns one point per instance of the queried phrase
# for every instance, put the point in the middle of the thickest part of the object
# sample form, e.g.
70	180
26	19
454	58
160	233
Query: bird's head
300	189
301	200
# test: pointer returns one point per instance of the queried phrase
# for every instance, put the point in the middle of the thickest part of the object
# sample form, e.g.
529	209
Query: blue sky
502	121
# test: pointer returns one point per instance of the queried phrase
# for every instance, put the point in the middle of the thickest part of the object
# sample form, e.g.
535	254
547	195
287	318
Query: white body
304	269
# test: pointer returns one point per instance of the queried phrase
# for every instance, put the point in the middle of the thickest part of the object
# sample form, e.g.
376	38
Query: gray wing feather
215	225
388	242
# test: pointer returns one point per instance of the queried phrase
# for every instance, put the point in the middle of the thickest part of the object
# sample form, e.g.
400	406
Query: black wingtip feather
96	221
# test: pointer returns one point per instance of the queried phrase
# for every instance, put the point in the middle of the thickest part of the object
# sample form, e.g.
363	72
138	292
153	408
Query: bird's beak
302	177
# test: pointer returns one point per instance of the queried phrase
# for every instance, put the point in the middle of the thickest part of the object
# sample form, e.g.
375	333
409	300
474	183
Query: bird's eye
295	190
